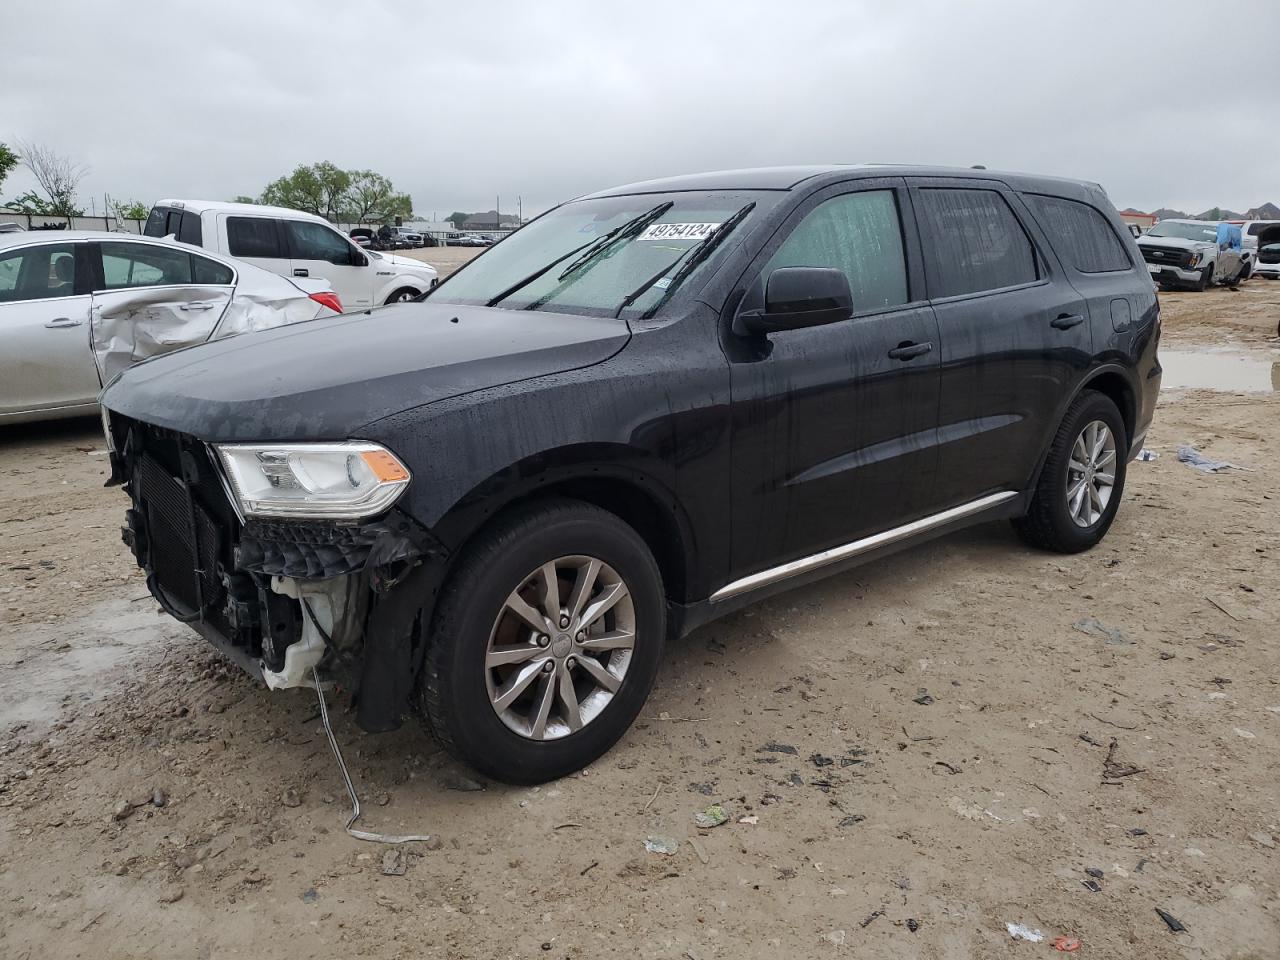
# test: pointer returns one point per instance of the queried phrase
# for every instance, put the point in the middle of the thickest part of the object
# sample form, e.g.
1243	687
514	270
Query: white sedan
77	307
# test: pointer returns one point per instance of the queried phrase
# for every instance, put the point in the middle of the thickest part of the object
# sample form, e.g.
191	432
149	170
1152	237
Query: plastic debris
867	922
713	816
1096	628
1066	944
850	820
664	845
923	697
818	760
1020	931
1093	886
913	924
779	748
1174	924
1095	872
1148	455
750	821
1198	461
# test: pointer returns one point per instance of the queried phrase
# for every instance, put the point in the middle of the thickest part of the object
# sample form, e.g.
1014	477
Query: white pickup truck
293	244
1186	253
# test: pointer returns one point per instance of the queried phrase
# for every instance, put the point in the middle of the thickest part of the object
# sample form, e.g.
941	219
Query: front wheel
403	295
1206	279
545	642
1079	490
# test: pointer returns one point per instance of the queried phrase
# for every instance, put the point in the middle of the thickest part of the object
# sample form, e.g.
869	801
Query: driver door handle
196	305
909	351
1066	321
60	322
301	272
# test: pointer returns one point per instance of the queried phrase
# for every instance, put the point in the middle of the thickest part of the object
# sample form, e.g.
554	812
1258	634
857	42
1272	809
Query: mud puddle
80	659
1226	371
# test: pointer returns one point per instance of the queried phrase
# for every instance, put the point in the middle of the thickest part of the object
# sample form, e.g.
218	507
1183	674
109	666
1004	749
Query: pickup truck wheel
1206	278
403	295
1082	481
545	642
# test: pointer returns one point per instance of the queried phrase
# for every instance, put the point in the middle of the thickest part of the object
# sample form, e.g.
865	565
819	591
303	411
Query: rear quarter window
189	229
973	242
254	237
1081	235
155	222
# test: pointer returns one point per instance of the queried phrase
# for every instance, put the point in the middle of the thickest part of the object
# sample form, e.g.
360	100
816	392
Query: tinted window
858	234
189	229
210	271
973	242
314	241
143	265
254	237
1080	234
38	273
156	220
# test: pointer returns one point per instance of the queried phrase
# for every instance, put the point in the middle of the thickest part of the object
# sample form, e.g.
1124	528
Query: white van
293	244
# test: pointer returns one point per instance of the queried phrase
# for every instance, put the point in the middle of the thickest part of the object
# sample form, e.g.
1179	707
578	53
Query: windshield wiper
691	257
624	232
590	253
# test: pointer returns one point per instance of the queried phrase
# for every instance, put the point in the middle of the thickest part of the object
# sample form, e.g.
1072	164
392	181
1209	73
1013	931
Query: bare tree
59	176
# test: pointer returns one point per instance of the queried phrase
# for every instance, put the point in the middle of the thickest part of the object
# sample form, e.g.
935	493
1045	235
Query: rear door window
1080	234
143	265
973	242
156	221
254	237
860	235
189	229
314	241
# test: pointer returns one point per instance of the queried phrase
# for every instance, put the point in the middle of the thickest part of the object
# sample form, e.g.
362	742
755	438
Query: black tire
1206	278
453	694
1048	523
403	295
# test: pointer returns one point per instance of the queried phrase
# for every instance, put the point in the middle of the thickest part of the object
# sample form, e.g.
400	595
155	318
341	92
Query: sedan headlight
333	481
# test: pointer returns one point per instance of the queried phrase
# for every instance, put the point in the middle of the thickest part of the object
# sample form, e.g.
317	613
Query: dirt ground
912	755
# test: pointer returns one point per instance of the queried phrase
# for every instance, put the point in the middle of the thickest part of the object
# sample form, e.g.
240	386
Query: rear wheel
545	642
1079	490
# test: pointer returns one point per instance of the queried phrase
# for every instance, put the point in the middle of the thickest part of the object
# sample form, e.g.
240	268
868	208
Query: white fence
42	222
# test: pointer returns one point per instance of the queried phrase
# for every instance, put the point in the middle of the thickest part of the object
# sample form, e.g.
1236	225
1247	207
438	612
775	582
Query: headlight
335	481
1194	261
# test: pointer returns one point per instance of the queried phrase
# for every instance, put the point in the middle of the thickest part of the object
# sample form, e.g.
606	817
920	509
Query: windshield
597	257
1185	231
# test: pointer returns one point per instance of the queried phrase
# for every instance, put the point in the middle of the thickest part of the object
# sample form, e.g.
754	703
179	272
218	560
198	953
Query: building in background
1136	218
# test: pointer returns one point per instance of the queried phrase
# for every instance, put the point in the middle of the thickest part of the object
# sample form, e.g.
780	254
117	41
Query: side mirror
799	297
358	259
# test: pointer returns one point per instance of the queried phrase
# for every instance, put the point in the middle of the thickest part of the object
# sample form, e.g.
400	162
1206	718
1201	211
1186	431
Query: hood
325	379
408	264
1173	243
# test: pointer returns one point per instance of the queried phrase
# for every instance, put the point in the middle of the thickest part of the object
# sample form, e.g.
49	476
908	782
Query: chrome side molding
844	552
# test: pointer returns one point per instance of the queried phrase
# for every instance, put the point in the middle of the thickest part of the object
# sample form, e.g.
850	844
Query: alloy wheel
559	648
1091	474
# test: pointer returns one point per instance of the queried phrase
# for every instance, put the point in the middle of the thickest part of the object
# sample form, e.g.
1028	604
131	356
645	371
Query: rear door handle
909	351
301	272
60	322
1066	321
196	305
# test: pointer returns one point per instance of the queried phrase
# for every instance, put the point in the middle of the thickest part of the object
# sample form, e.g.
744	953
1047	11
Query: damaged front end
279	595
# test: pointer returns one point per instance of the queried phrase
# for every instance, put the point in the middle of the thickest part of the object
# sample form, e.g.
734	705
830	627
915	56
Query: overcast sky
461	102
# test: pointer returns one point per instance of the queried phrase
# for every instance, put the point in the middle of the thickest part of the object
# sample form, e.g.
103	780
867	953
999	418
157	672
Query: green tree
8	160
457	218
244	199
31	203
130	210
371	198
320	188
58	176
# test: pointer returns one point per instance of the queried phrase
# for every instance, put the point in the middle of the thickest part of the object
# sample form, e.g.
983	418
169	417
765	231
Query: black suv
645	409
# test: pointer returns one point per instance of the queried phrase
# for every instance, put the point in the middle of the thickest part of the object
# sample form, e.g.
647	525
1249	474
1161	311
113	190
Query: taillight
328	299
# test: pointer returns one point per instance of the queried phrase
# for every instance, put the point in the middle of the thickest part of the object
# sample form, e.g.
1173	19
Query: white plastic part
301	657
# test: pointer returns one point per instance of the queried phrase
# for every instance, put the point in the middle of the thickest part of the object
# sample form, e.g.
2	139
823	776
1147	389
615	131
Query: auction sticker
679	231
